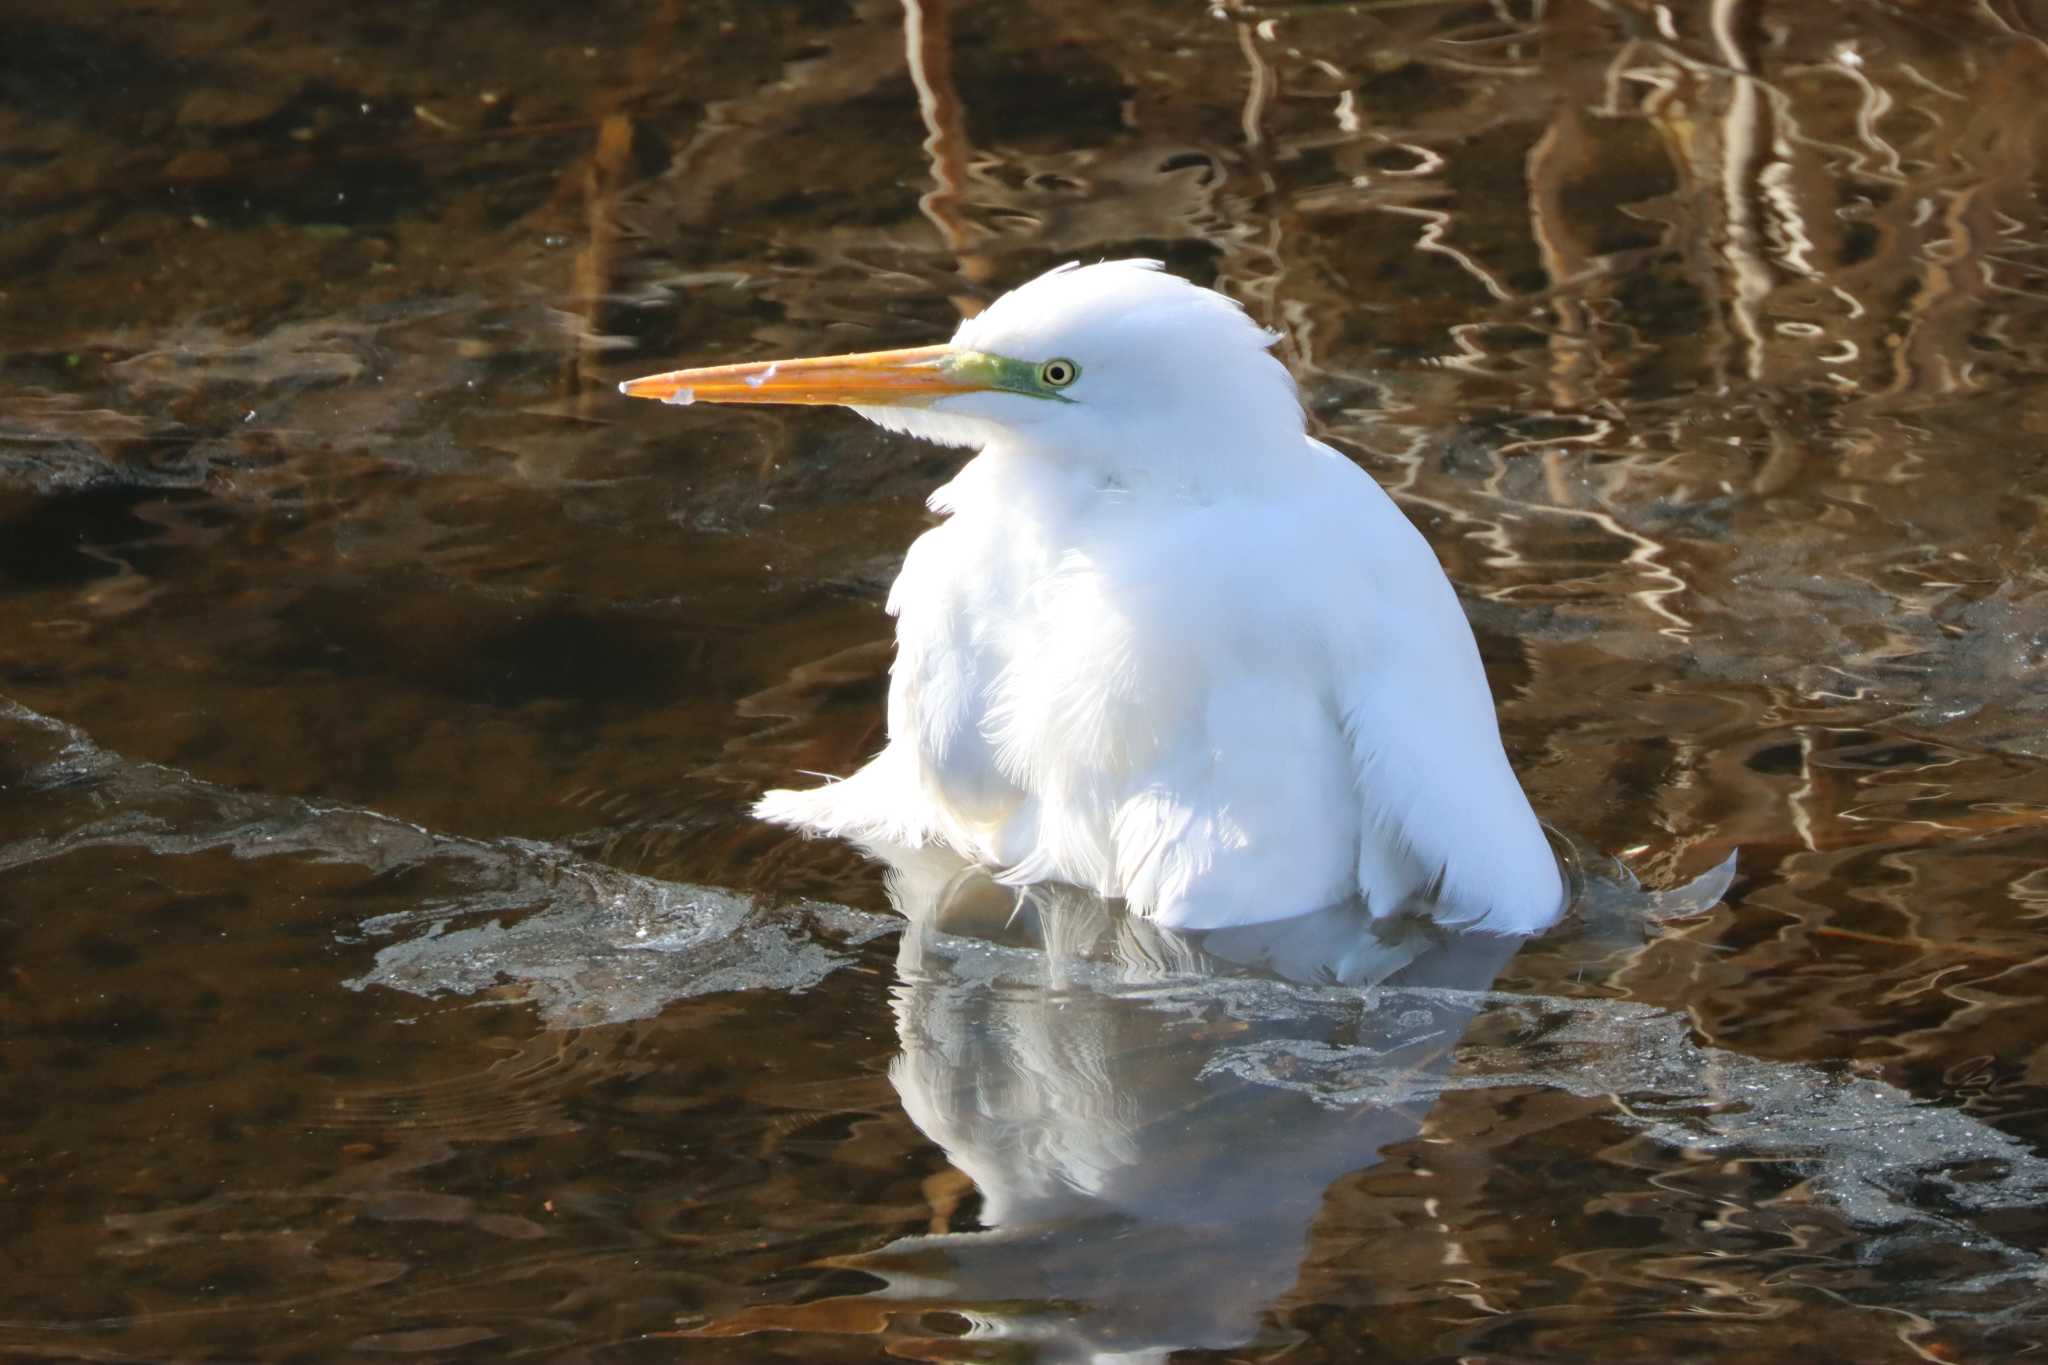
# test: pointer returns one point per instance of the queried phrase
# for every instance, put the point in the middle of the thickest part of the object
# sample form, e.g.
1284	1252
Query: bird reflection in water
1138	1194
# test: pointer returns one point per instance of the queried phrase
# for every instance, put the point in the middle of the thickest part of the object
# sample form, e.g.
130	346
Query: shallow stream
388	966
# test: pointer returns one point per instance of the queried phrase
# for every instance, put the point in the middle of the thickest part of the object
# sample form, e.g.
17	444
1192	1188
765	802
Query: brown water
387	965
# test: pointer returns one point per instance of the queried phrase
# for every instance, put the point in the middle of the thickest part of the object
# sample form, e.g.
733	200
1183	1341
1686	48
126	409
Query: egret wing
1443	818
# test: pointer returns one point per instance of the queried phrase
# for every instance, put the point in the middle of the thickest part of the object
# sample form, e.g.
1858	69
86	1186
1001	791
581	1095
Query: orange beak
907	378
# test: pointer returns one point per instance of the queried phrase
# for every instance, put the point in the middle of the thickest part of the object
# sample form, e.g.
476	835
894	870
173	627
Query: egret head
1117	366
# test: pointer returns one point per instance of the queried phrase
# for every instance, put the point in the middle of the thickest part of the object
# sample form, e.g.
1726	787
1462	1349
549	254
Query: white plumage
1165	646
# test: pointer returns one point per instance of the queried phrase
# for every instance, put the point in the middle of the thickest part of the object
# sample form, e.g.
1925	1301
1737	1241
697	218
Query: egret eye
1057	374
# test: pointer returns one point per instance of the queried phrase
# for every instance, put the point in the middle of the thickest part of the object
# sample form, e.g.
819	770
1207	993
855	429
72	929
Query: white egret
1165	645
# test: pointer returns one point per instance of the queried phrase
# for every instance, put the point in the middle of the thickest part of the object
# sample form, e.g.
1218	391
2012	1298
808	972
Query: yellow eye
1057	374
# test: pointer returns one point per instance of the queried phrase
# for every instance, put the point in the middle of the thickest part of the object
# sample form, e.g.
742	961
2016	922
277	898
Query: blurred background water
387	964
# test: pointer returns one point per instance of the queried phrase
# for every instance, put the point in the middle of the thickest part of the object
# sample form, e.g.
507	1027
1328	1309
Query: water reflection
1156	1123
1139	1192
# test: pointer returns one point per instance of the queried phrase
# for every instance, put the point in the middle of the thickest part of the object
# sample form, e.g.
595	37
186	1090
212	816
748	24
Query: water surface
387	965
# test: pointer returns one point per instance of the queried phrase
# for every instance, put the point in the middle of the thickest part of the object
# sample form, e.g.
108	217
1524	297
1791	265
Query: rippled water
387	965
